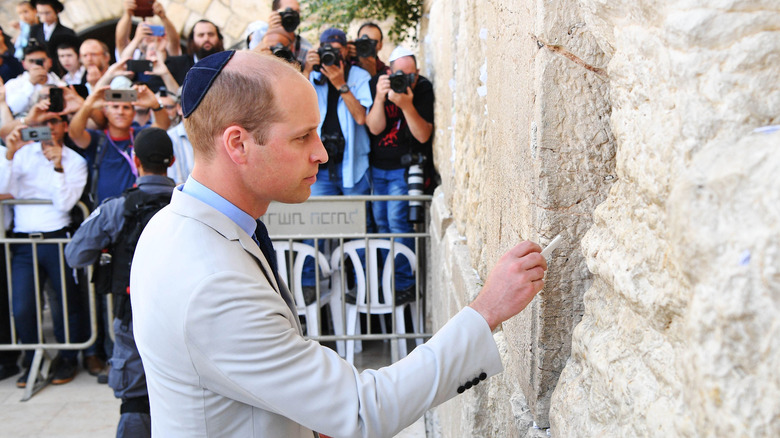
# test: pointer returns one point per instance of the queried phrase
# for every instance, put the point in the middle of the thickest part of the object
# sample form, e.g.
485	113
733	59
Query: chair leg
400	327
415	323
338	326
352	322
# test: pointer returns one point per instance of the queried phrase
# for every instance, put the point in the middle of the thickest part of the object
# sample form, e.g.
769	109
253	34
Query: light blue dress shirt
210	197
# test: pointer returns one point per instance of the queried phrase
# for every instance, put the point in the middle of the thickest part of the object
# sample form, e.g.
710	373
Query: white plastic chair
300	253
367	299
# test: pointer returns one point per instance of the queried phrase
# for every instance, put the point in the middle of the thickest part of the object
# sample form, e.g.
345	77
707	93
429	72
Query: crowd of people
80	122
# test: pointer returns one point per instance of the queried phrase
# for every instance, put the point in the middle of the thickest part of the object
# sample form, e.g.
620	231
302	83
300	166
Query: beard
202	52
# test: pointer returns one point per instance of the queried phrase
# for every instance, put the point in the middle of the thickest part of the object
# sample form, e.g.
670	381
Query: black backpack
140	207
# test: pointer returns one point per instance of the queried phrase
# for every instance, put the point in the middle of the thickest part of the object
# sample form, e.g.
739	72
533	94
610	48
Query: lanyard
123	153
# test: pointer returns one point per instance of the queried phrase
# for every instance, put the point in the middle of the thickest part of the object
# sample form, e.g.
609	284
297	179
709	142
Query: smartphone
56	100
36	133
121	95
138	66
143	8
157	30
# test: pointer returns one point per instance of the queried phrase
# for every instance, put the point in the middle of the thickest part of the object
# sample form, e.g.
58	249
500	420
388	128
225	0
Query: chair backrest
295	253
369	297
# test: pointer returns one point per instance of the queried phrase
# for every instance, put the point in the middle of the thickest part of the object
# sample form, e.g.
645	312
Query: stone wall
680	334
525	151
546	110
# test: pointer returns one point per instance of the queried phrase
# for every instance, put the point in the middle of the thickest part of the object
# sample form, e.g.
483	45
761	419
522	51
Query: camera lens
290	19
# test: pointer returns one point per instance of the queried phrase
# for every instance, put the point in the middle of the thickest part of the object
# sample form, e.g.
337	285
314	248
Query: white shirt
182	151
48	29
19	92
30	175
74	78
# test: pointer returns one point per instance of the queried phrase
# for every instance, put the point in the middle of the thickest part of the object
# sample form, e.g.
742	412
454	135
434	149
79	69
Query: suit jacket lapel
193	208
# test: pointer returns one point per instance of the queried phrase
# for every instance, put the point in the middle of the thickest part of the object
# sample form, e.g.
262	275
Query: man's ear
137	162
233	140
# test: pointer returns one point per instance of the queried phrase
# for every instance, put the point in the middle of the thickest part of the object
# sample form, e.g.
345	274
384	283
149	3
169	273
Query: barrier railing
335	286
40	370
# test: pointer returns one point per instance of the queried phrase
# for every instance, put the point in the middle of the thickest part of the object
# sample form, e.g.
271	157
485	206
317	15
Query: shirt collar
210	197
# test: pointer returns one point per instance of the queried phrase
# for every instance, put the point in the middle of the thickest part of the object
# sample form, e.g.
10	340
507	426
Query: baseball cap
153	146
334	35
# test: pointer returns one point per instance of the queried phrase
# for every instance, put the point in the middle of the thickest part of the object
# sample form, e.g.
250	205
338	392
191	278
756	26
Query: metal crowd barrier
337	240
40	369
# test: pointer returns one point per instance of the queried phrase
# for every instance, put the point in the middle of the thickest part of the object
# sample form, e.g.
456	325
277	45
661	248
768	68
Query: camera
36	133
329	55
290	19
400	81
415	179
365	47
126	95
139	66
334	145
56	100
280	51
40	61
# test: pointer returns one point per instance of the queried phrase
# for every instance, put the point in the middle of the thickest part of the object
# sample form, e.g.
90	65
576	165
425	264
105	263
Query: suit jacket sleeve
243	346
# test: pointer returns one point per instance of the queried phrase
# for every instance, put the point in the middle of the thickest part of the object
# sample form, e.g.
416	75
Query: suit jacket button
461	389
475	381
482	376
468	385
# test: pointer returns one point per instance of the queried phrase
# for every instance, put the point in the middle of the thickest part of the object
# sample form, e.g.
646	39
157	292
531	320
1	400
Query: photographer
363	51
277	42
20	92
287	15
343	96
401	124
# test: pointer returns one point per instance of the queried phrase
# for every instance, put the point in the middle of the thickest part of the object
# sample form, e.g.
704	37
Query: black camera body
281	51
365	47
334	145
38	61
415	179
290	19
329	55
400	81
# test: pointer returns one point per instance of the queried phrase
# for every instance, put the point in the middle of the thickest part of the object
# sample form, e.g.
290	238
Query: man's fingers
524	248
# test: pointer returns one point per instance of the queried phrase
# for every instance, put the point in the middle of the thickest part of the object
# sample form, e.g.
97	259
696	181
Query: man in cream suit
220	342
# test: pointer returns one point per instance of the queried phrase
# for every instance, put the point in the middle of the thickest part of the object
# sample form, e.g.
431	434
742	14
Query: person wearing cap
401	124
49	26
112	229
343	97
216	326
44	170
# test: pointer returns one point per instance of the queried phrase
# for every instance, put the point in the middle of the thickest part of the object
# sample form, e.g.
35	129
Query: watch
344	89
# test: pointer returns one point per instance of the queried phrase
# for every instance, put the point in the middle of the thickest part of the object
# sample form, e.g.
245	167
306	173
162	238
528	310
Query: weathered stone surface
679	337
525	150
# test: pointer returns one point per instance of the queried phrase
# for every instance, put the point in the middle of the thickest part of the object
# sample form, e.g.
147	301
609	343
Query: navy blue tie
267	247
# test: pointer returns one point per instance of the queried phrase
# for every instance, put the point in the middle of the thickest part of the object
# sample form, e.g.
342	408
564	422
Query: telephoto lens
415	179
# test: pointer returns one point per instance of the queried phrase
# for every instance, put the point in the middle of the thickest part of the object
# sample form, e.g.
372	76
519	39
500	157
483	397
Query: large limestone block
653	355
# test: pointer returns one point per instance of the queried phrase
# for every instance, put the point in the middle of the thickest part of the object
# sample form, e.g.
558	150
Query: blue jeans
23	283
327	187
393	217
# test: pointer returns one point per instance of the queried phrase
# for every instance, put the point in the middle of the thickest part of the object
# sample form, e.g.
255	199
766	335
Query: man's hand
158	10
512	284
39	112
53	153
368	64
334	73
142	31
146	98
401	100
73	101
382	88
312	59
96	100
13	142
129	6
274	20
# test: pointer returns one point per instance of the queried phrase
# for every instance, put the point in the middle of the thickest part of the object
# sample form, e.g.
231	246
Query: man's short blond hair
240	97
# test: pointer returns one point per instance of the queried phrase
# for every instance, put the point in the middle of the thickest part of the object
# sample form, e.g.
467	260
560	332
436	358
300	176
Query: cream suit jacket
224	355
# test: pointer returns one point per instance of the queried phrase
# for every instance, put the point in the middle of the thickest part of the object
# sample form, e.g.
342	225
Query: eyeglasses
169	107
